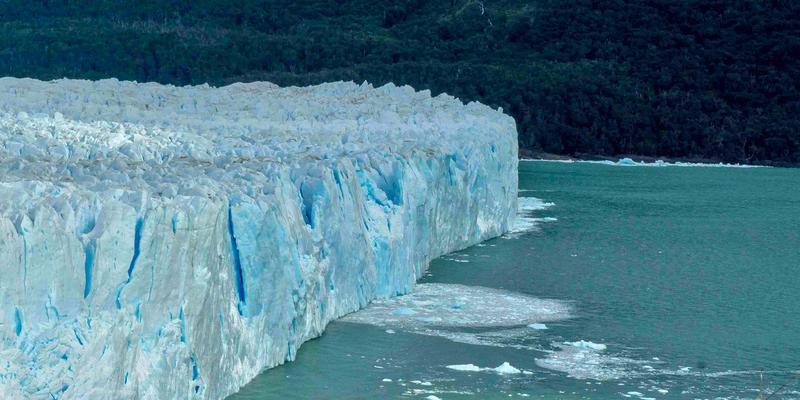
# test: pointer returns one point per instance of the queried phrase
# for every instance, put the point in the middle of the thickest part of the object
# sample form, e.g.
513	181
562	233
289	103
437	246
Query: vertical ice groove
17	322
20	231
237	262
306	205
183	325
88	265
137	246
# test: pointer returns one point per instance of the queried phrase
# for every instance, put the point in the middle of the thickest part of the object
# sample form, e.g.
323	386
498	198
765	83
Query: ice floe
465	367
453	305
504	369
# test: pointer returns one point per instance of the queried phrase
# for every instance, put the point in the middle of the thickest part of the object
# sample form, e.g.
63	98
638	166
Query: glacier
162	242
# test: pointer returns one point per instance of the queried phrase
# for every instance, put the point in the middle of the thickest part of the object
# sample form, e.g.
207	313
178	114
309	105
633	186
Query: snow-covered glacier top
201	140
164	242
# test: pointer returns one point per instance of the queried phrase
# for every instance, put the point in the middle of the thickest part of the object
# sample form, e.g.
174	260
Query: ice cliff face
171	243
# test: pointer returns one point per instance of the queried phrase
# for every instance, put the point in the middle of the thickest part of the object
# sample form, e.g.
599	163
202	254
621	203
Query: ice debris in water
453	305
505	368
493	317
538	327
526	221
171	242
582	344
585	360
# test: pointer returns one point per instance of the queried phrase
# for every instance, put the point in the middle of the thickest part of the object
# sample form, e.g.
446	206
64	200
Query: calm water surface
690	278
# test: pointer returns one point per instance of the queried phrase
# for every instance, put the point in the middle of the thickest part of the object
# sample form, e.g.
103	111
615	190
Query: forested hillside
713	79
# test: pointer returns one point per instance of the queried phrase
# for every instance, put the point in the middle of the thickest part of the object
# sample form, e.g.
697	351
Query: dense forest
693	79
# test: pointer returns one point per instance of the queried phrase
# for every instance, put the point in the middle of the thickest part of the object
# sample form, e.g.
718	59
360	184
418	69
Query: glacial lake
655	282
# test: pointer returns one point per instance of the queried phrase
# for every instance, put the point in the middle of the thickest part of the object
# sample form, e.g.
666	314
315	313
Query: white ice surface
526	219
586	360
504	369
465	367
172	243
584	344
441	305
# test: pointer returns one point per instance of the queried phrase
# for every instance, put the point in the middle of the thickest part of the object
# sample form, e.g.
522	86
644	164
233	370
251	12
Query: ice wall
159	242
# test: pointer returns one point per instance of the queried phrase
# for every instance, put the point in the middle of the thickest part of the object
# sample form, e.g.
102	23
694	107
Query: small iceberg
506	368
465	367
538	327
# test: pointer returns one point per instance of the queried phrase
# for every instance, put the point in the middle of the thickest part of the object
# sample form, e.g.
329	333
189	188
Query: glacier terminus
162	242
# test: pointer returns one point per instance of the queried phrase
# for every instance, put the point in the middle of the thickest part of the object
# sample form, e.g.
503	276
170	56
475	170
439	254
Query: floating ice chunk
390	331
438	308
433	397
506	368
465	367
386	380
452	305
587	345
537	326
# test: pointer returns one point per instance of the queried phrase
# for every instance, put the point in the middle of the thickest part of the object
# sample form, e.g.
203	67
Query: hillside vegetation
713	79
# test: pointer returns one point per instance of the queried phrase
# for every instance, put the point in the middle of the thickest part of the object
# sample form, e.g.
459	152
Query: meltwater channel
617	282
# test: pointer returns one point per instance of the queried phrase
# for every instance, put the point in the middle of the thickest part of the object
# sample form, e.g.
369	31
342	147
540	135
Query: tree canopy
710	79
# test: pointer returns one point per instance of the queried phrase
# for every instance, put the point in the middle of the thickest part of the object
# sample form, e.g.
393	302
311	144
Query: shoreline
637	160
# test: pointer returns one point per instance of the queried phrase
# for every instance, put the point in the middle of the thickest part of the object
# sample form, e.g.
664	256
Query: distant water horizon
615	283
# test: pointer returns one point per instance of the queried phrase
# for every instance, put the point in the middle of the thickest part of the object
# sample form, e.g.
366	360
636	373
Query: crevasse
164	242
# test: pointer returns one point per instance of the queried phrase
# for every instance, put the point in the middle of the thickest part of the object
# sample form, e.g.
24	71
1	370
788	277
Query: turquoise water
690	277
